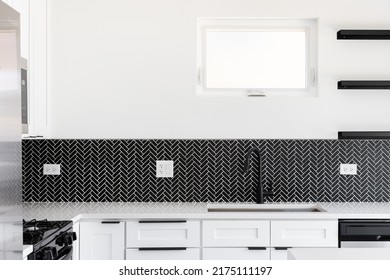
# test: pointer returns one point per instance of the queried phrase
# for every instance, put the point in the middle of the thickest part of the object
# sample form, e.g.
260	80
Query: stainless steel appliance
51	240
10	135
364	233
24	88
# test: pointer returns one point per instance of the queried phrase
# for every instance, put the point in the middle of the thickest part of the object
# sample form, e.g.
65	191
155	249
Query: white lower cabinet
207	239
76	243
231	233
14	255
160	239
290	233
13	238
254	239
279	253
11	241
104	240
236	253
236	240
162	233
163	254
301	233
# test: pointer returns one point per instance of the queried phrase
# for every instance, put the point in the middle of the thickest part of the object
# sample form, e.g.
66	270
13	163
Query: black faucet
260	193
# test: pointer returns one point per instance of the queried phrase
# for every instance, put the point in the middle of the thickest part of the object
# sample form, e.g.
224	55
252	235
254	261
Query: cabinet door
236	254
102	240
163	254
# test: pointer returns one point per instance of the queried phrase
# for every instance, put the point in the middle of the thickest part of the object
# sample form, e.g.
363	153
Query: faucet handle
269	193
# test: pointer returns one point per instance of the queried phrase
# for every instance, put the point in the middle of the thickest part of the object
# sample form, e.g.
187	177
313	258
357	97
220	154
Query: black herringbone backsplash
205	170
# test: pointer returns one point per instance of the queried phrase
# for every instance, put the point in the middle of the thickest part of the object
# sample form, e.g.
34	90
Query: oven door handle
383	238
66	254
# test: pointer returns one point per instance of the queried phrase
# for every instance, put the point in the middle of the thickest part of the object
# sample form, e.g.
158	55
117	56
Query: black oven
51	240
360	233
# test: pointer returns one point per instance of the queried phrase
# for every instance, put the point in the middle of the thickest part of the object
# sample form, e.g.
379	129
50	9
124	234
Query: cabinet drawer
163	234
235	254
236	233
279	253
304	233
163	254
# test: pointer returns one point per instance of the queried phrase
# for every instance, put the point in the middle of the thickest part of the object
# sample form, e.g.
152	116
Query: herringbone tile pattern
205	170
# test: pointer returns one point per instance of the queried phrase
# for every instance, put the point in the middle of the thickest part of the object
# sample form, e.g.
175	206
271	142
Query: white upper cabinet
33	34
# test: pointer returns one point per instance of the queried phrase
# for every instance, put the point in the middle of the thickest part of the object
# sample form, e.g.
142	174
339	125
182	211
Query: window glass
252	56
255	59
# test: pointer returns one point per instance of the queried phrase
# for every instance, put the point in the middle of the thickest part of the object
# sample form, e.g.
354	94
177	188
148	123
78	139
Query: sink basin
265	208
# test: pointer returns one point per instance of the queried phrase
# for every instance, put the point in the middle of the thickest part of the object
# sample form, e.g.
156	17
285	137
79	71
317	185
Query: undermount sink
245	208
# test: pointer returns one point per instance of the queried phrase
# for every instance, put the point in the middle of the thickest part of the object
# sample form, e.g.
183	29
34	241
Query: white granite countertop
338	254
144	210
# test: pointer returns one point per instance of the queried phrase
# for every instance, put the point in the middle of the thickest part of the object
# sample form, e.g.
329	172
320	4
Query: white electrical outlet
51	169
164	168
348	169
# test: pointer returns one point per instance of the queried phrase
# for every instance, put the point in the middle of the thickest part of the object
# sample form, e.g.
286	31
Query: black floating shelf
349	34
355	135
383	84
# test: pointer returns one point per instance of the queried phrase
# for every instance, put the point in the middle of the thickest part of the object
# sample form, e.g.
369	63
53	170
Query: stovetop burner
43	225
32	237
35	231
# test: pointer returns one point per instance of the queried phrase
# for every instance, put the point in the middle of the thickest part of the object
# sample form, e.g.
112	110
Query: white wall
127	69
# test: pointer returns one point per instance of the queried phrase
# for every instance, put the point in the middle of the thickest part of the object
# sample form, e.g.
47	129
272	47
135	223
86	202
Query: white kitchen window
257	57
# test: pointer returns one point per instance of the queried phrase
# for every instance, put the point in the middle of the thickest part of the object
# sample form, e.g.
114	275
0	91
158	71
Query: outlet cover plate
348	169
51	169
164	168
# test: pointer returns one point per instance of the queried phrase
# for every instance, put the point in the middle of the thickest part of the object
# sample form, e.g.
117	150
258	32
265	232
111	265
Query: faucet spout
260	194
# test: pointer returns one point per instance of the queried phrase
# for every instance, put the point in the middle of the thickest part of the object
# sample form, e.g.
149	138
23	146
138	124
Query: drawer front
235	254
278	254
188	254
163	234
304	233
236	233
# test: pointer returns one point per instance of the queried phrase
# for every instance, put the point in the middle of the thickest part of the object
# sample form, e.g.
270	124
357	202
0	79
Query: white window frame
309	26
